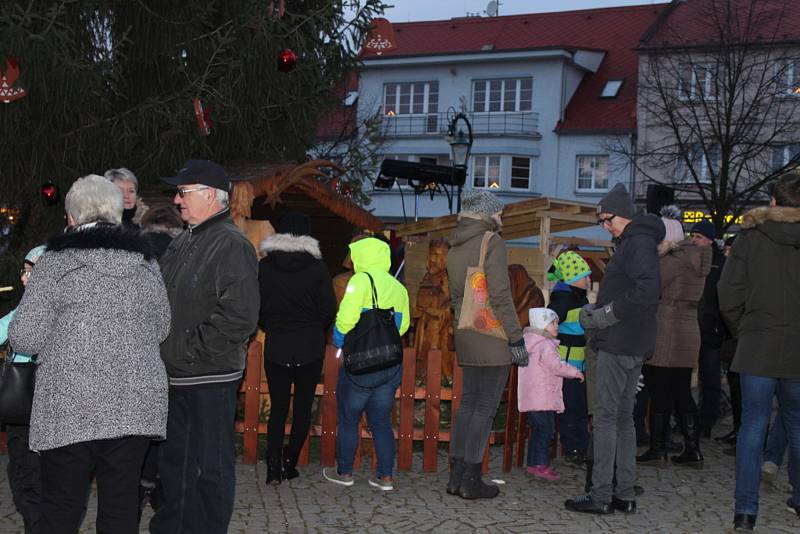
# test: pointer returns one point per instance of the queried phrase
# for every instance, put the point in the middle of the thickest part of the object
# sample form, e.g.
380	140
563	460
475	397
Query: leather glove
599	318
519	355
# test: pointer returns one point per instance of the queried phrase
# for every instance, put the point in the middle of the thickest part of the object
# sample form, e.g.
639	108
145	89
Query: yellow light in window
390	113
494	185
796	90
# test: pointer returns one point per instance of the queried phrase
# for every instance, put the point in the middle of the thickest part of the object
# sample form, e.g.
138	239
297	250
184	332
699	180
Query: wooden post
433	389
512	416
458	377
522	437
405	441
328	438
252	403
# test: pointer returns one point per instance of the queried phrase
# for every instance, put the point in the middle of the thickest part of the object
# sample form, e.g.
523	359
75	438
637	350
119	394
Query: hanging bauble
7	90
287	60
203	117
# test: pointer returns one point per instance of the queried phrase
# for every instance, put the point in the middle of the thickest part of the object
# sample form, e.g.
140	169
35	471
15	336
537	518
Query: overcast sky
410	10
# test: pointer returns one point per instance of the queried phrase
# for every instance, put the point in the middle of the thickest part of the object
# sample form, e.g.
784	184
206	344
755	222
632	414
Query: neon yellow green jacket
373	256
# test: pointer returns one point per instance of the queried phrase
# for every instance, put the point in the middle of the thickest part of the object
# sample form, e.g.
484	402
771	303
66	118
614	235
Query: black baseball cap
201	171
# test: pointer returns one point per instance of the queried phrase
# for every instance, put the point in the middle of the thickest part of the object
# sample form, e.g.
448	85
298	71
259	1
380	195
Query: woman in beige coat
668	374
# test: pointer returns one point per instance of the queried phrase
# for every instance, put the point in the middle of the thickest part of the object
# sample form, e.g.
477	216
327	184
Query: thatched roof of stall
274	183
520	219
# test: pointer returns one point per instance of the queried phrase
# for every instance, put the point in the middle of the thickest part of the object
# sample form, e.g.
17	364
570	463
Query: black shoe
456	475
585	505
727	439
575	458
794	508
621	505
472	485
274	469
691	455
289	470
744	522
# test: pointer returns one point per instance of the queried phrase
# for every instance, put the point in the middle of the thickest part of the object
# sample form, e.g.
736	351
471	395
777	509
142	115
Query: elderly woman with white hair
95	311
133	208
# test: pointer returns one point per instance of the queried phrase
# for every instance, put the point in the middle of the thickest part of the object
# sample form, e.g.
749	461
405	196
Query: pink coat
539	387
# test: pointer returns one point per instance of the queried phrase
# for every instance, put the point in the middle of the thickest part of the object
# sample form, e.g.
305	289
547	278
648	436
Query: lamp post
460	146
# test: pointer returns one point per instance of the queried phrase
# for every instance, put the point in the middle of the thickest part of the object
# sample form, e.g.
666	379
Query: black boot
657	453
691	454
274	468
289	465
456	475
472	485
587	486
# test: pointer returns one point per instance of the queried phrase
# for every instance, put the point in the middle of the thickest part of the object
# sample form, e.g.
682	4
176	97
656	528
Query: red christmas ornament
203	117
287	60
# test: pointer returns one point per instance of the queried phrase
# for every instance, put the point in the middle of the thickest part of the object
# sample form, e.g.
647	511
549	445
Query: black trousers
668	387
710	374
67	474
24	477
280	379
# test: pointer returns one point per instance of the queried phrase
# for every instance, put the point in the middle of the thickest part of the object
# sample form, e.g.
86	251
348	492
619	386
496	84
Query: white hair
222	197
94	198
122	174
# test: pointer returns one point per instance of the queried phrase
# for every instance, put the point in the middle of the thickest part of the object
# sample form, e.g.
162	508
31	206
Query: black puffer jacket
211	274
297	300
632	281
759	291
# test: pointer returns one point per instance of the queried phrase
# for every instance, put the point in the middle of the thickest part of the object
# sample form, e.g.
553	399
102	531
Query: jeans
757	394
776	441
614	435
543	428
67	475
573	423
280	379
372	393
196	463
480	397
24	477
709	372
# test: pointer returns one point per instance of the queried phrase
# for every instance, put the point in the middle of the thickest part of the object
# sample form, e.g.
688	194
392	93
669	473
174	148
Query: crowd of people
138	321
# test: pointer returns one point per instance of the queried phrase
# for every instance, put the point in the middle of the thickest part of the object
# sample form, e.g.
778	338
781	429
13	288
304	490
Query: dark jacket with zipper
567	301
297	300
211	274
712	327
632	281
759	292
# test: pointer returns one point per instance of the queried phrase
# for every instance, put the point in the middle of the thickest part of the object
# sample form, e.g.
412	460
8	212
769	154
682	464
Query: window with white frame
592	172
500	95
703	162
788	76
783	154
697	82
486	172
520	172
413	98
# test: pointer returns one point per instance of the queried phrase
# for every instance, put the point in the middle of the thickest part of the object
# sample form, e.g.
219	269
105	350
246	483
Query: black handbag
374	343
17	381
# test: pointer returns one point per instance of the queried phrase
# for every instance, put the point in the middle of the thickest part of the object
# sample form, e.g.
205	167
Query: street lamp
460	146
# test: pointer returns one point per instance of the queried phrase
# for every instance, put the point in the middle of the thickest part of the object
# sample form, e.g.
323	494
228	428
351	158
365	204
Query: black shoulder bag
374	343
17	381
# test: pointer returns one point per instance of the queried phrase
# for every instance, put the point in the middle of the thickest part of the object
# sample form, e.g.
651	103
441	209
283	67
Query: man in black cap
712	332
622	326
211	274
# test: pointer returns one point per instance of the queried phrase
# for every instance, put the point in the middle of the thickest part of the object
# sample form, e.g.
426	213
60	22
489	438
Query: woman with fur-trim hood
297	307
759	291
668	374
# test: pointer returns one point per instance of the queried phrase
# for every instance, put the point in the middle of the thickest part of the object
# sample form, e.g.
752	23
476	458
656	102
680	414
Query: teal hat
35	253
569	267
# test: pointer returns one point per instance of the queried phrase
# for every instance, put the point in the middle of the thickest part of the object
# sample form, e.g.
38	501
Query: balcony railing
525	123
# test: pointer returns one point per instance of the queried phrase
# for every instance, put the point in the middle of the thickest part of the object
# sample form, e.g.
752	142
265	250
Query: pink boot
545	472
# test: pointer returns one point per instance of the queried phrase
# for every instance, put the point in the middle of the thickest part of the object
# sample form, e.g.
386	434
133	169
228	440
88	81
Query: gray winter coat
95	310
472	348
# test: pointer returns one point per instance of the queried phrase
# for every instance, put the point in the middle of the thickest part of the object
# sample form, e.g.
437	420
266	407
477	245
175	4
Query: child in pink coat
539	391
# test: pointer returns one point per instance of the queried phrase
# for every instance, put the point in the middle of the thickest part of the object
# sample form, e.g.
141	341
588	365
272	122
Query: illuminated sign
692	217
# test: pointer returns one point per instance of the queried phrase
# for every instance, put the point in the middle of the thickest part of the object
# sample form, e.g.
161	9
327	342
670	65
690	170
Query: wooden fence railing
431	433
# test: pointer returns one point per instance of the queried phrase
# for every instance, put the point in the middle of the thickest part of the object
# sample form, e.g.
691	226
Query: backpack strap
374	293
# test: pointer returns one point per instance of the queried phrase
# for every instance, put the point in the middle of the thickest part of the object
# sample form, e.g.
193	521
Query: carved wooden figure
524	292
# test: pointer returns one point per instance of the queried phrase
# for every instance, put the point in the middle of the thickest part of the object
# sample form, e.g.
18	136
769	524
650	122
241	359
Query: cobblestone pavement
677	500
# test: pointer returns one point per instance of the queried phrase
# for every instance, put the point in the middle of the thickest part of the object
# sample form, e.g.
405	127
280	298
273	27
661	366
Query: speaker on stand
659	196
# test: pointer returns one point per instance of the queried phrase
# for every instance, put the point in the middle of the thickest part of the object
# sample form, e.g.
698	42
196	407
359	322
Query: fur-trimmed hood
289	252
694	260
780	223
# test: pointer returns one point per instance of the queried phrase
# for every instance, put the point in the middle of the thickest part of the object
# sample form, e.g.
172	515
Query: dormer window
350	99
611	89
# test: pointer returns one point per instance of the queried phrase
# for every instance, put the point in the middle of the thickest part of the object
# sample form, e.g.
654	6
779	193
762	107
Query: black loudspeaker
659	196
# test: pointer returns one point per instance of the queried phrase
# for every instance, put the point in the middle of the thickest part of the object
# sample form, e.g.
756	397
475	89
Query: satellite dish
491	8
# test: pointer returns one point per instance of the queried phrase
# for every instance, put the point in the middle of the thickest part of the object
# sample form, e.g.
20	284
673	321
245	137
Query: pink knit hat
674	229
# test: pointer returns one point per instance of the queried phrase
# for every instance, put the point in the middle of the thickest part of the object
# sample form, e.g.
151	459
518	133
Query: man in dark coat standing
758	294
624	324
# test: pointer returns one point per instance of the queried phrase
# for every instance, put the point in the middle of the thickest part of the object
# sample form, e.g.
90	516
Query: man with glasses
622	326
211	274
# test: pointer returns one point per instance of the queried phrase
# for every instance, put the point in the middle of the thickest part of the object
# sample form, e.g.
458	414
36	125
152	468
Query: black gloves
519	355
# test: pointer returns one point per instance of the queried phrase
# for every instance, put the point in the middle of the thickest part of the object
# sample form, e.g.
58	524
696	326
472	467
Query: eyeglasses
607	220
182	192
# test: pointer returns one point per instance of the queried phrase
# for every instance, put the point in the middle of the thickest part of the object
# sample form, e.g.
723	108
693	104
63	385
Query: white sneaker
332	475
382	483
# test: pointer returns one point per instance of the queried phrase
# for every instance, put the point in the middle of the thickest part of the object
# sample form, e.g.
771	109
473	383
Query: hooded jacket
540	382
371	256
633	283
95	311
684	268
567	301
297	300
472	348
211	274
759	292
